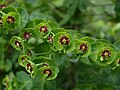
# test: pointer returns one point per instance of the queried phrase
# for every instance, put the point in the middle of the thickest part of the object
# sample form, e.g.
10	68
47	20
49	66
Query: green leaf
24	16
71	56
42	61
58	3
53	25
58	58
32	40
43	48
22	77
93	56
107	42
117	45
69	12
57	30
30	24
8	65
88	39
24	82
74	34
37	21
38	82
96	46
85	60
9	9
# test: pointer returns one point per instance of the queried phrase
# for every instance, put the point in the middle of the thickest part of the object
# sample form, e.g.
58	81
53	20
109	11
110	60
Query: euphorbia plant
40	41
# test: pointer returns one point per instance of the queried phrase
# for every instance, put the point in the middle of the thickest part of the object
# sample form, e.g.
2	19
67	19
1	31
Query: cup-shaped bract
96	47
23	60
31	67
28	35
17	43
26	62
83	48
48	72
63	41
11	20
46	67
106	56
42	30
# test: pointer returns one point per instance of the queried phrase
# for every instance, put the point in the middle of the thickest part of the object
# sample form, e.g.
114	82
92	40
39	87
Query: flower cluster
41	42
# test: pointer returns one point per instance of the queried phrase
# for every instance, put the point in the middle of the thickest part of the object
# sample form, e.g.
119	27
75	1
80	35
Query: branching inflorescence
40	40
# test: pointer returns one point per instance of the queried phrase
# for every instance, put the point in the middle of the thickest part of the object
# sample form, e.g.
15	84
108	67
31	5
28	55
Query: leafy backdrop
95	18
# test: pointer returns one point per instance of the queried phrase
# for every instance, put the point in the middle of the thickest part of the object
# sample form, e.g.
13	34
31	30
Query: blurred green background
95	18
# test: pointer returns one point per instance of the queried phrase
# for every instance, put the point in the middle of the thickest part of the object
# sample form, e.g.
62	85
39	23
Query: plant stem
43	82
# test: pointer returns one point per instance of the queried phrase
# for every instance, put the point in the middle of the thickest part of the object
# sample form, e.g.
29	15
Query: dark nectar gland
64	40
106	53
48	72
10	19
83	47
43	29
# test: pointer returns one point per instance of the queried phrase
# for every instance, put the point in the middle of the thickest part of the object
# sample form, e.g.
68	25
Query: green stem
39	64
43	83
2	12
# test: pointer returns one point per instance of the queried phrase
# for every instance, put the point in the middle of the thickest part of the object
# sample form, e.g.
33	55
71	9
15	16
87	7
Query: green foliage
44	53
